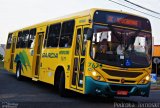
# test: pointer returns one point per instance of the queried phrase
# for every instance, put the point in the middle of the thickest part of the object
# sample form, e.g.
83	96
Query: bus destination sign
124	21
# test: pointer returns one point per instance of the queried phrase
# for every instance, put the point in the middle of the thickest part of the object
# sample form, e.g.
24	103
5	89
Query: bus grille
122	73
117	80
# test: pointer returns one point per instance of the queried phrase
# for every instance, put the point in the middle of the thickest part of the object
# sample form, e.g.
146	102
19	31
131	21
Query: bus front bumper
109	89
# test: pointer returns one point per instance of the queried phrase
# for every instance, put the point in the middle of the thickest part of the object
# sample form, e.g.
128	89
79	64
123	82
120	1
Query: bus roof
75	15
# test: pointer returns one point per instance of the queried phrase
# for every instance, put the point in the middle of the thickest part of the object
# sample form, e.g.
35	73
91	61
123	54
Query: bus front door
79	59
12	52
37	53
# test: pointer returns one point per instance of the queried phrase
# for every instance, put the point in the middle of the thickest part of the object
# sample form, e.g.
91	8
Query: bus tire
62	90
18	72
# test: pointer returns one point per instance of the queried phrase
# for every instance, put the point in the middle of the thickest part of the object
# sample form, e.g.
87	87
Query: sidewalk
156	86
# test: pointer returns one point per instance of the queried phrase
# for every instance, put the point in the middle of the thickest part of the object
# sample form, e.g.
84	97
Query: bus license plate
121	92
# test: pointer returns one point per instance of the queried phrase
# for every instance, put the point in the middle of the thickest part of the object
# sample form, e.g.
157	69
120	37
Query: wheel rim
17	73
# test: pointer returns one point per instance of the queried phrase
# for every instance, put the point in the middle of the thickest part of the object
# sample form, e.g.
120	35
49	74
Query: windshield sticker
128	62
121	56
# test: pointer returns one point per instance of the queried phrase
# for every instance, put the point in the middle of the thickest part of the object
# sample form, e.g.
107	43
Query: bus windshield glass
121	47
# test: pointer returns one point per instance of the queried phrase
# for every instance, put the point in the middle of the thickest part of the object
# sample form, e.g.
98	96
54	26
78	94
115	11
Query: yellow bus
97	51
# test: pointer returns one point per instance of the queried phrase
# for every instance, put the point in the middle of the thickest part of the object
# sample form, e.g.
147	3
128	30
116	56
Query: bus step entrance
34	79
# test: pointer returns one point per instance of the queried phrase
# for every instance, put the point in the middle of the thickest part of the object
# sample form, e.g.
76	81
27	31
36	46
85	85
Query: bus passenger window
31	38
78	41
9	41
19	40
67	34
84	41
22	40
46	36
53	36
25	38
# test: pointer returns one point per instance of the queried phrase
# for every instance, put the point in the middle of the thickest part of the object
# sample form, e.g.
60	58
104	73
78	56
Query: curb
155	89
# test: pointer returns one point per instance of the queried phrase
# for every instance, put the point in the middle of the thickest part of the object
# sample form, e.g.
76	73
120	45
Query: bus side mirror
89	34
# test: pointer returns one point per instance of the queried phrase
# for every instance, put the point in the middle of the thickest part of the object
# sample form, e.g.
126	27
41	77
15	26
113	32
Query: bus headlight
96	76
147	77
145	80
94	73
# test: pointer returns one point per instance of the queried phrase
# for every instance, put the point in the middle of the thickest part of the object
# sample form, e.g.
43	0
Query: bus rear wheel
18	72
62	90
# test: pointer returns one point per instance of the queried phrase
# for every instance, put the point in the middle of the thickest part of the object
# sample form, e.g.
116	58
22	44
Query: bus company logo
122	80
50	55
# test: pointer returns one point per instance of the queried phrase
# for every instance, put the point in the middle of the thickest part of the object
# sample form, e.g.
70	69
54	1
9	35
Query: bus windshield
121	47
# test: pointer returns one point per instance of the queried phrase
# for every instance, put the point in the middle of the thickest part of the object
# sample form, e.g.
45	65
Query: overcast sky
15	14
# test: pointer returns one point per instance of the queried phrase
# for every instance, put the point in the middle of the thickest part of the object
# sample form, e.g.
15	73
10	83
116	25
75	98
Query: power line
142	7
135	9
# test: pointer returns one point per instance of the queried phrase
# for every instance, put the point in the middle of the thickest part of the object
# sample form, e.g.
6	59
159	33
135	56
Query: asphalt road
30	94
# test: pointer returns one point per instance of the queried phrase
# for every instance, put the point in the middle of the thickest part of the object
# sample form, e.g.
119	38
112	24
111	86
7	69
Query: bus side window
31	38
19	39
84	41
53	36
22	44
67	34
78	37
46	36
25	38
9	41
